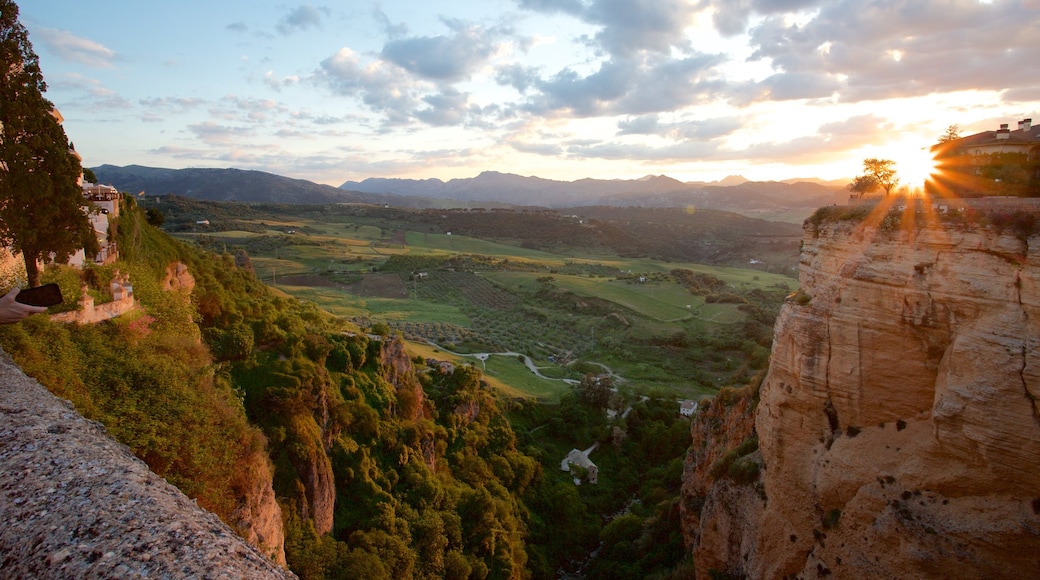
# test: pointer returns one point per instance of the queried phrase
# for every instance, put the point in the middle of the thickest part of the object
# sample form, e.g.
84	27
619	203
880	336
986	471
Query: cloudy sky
561	89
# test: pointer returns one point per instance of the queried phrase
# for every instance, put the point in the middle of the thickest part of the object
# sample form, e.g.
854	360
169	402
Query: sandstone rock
899	423
259	517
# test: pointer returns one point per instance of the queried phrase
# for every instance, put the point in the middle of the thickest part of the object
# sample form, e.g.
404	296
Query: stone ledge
74	503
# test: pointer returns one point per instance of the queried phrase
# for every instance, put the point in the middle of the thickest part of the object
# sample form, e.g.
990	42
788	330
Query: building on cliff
1000	162
105	200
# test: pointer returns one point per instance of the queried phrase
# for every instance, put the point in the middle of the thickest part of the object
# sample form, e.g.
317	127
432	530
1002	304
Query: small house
579	458
687	407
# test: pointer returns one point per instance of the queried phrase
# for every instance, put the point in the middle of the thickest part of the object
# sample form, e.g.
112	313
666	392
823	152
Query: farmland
670	327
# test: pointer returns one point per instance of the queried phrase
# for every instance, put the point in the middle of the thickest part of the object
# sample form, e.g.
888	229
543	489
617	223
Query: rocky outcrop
258	517
899	425
74	503
714	502
398	370
178	277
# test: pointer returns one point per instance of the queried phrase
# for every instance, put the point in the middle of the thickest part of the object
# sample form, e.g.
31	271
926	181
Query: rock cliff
898	424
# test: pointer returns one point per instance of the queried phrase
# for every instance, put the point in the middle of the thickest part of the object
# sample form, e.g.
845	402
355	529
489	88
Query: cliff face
899	424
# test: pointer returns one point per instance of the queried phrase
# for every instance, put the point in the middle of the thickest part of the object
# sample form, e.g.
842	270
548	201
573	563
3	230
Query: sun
914	166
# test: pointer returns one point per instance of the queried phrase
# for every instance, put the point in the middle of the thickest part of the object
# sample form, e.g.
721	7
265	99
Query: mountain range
489	189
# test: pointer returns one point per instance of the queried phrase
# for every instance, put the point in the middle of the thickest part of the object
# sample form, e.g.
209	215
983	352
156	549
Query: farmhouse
687	407
580	459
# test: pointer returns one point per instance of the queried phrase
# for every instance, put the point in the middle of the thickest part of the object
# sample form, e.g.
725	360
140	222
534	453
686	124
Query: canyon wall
899	425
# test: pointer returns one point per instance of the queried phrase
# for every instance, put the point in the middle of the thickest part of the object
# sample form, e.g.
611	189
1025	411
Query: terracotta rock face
899	423
259	517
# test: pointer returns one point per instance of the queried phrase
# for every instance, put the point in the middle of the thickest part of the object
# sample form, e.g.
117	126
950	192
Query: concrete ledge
74	503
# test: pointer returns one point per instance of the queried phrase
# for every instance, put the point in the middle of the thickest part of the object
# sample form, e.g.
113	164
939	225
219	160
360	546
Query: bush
744	470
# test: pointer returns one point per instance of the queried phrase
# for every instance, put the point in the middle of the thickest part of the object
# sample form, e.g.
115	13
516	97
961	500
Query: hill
650	191
230	185
781	201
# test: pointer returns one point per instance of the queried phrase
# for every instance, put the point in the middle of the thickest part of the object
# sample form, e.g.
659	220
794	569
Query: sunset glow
561	90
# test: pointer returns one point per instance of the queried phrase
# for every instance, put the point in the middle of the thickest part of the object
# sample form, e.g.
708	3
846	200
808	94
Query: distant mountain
733	193
765	199
492	186
837	183
230	185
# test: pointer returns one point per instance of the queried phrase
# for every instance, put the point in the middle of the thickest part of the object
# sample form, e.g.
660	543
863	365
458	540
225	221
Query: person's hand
11	311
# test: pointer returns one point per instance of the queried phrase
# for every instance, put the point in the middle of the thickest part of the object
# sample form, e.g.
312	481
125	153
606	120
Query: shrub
744	470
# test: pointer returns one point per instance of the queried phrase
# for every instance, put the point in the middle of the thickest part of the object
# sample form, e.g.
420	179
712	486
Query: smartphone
46	295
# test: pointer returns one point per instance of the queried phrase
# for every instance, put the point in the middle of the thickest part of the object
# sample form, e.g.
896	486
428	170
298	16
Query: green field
629	313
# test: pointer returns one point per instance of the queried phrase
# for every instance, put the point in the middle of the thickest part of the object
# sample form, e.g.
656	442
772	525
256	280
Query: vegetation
41	206
434	472
877	174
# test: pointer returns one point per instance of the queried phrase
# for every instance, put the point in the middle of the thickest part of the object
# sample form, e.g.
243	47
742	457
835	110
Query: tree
41	203
953	133
877	174
594	391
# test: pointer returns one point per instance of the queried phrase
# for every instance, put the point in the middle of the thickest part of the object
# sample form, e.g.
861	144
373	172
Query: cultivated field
563	309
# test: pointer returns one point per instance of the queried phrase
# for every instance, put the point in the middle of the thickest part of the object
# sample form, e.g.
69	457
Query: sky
560	89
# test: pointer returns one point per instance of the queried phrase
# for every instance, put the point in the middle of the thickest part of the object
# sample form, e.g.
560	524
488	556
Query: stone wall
74	503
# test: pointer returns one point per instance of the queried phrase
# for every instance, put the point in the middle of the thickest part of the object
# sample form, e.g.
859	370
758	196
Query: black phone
46	295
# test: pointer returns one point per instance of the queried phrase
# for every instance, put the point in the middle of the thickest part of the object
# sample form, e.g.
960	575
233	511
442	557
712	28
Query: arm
11	311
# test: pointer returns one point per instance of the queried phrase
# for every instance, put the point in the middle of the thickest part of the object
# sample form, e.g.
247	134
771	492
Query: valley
387	393
564	304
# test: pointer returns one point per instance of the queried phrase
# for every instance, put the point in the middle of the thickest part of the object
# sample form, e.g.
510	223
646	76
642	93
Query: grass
661	301
516	380
424	243
344	304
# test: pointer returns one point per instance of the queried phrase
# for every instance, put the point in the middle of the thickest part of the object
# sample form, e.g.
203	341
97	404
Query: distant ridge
733	193
229	185
491	189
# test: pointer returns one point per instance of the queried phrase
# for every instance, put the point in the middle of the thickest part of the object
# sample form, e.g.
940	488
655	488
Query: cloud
413	79
646	85
731	17
381	86
831	141
445	58
896	49
704	140
390	29
73	48
237	27
279	83
215	134
628	26
301	18
700	129
450	107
